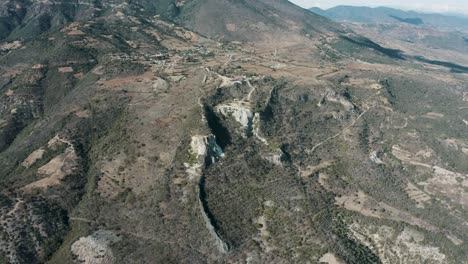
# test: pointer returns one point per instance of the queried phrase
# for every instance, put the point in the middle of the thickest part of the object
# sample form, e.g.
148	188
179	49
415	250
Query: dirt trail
346	128
251	91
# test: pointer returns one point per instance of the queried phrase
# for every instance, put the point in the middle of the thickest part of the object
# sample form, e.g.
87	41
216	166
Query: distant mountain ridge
384	14
218	19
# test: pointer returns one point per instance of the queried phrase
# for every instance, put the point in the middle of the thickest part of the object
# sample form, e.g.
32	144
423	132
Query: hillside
385	15
223	132
417	40
405	31
227	19
251	20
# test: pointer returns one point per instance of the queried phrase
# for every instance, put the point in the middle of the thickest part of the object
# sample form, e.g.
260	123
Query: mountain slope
251	20
23	18
126	137
406	32
385	14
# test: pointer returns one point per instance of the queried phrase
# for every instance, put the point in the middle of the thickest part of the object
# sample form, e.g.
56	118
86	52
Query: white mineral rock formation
204	151
240	111
206	148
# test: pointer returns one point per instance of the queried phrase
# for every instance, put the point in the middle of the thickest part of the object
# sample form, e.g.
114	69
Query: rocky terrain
168	132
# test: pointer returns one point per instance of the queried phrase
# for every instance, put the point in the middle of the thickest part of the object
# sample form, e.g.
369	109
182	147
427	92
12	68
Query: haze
436	6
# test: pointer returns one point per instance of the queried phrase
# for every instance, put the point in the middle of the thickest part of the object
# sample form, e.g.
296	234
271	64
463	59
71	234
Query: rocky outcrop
219	243
256	129
206	149
160	86
241	112
96	248
332	96
203	152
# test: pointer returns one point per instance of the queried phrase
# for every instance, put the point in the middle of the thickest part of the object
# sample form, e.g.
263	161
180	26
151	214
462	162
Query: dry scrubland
129	135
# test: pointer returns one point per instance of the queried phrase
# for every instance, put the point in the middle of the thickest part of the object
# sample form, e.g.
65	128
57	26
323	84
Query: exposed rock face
203	151
206	149
219	243
95	249
207	152
256	129
241	112
332	96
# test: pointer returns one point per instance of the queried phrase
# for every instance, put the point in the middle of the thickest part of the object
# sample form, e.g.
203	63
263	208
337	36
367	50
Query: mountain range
227	131
385	14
